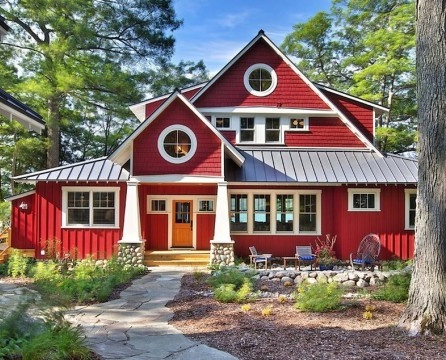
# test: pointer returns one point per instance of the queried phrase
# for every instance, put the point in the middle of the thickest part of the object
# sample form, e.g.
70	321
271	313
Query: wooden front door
182	224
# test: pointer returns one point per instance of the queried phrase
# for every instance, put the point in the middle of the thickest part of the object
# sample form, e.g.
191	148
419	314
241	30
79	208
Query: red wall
350	227
325	132
359	114
291	90
148	161
23	226
46	218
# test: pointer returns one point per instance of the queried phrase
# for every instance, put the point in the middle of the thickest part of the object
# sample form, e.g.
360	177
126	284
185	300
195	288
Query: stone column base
131	254
222	253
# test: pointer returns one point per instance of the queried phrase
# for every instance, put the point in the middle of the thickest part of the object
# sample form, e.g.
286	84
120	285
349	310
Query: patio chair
257	258
366	257
305	256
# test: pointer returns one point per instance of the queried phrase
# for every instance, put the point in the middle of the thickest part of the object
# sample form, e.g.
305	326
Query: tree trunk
426	308
53	125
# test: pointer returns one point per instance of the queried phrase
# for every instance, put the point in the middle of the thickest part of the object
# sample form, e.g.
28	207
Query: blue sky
216	30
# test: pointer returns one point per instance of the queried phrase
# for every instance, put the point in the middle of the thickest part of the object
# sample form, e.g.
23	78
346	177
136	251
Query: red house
259	155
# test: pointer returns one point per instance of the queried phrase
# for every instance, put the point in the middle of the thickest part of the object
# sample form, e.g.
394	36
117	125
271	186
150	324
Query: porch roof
96	170
287	165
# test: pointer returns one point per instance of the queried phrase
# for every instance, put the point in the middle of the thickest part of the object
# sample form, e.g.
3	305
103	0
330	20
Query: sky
216	30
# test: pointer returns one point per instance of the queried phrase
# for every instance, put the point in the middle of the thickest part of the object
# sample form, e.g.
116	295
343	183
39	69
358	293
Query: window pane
103	216
177	143
307	222
260	79
222	122
284	215
78	217
297	123
363	201
261	214
412	209
206	205
239	216
307	213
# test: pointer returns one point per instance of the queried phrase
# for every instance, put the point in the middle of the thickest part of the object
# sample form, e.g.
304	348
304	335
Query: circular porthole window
177	144
260	79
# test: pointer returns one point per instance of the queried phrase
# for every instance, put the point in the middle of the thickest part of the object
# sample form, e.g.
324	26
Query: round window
260	79
177	144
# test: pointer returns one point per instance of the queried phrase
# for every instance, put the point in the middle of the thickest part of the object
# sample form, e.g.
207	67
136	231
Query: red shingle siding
148	161
324	132
359	114
229	135
291	90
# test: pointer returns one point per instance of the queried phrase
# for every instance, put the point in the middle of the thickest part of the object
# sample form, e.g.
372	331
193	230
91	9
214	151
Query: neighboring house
259	155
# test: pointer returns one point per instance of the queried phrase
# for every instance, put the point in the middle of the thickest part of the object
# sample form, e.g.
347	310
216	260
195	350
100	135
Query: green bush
232	285
396	264
229	275
225	293
319	297
396	289
17	264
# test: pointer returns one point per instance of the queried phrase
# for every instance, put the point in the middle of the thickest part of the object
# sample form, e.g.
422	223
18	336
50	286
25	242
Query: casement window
206	205
410	208
261	214
177	144
364	199
284	212
239	212
90	207
246	129
307	213
158	205
260	80
299	124
222	122
276	212
272	130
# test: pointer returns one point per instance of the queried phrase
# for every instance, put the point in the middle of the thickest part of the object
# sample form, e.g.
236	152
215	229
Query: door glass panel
182	212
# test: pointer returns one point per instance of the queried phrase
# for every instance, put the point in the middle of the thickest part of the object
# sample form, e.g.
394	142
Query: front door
182	224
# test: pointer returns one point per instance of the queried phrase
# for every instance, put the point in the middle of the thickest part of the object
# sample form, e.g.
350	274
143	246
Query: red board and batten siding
326	132
349	226
47	216
155	226
148	161
23	226
291	90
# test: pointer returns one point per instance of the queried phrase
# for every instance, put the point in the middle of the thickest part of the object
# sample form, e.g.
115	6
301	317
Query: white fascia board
26	121
178	178
354	98
19	196
294	184
268	110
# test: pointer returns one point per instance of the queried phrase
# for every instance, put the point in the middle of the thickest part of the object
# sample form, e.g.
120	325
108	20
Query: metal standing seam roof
96	170
324	167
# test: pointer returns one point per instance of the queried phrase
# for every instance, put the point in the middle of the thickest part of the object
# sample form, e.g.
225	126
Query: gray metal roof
101	170
323	167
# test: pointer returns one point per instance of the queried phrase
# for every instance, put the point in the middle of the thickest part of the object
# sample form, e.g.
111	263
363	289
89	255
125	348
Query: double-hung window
308	213
272	130
90	207
284	212
261	213
239	212
246	129
410	208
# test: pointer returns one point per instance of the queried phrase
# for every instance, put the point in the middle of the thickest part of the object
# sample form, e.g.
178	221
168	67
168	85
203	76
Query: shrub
246	307
266	312
319	297
17	264
225	293
229	275
396	289
396	264
231	285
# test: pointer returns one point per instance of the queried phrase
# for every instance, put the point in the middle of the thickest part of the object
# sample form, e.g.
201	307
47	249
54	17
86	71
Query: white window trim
149	205
206	211
214	122
376	192
91	190
306	124
165	155
273	211
273	79
407	193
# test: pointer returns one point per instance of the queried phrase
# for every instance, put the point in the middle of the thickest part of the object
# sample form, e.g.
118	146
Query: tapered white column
222	221
132	223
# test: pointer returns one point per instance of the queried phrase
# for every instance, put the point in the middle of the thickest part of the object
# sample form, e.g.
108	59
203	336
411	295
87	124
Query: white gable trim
312	86
123	152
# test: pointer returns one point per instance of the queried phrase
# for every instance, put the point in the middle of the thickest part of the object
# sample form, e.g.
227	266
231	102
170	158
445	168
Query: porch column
131	246
222	246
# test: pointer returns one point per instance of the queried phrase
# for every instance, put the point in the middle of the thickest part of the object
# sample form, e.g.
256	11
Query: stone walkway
136	325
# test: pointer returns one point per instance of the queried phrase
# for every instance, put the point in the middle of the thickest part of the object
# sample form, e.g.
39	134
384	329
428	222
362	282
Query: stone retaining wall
344	277
130	254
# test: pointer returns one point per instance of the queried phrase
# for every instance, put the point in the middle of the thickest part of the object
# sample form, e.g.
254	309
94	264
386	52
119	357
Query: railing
5	240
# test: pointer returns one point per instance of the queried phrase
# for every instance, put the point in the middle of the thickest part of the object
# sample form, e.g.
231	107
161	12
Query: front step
177	258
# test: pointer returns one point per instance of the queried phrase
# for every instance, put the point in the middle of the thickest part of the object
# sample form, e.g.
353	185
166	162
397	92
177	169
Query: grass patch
319	297
396	289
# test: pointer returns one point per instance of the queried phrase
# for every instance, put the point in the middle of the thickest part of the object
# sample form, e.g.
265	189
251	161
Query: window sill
90	227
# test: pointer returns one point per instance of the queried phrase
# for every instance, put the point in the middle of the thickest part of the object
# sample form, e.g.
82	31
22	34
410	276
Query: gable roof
296	166
12	108
261	36
95	170
122	153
